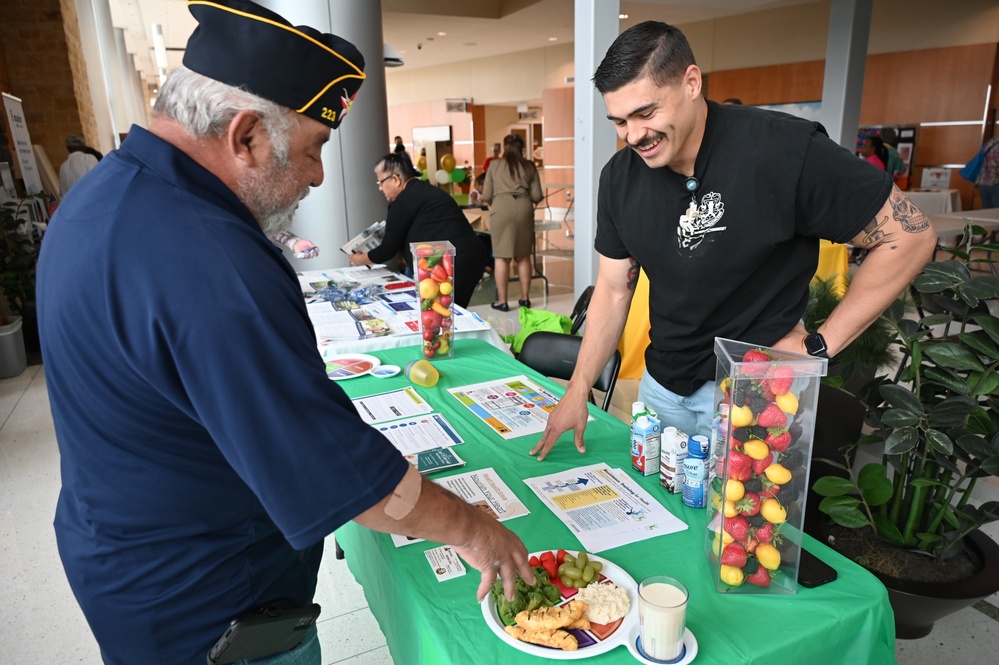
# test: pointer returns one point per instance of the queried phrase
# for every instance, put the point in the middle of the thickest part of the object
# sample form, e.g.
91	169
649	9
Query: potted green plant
935	426
21	232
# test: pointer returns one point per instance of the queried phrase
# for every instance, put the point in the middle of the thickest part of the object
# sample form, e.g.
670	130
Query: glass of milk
662	616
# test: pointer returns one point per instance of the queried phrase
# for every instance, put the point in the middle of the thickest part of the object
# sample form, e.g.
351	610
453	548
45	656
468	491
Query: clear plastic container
765	403
434	275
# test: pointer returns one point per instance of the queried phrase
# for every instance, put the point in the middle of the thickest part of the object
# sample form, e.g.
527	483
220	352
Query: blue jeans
307	652
691	415
990	195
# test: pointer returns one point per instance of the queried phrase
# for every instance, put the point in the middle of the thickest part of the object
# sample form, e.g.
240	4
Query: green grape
582	559
572	573
561	569
566	582
569	558
597	566
588	574
579	584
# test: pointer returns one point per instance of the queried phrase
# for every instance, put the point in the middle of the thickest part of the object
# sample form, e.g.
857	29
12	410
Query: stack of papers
604	507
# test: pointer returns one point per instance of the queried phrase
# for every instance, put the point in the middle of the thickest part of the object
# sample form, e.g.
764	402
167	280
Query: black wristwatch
815	344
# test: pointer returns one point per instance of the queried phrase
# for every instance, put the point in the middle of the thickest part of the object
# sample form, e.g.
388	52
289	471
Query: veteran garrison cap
244	45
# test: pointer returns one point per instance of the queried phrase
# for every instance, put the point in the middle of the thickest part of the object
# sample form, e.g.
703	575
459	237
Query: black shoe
503	307
525	303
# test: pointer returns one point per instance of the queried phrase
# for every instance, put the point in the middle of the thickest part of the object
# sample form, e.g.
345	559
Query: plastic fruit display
434	273
761	448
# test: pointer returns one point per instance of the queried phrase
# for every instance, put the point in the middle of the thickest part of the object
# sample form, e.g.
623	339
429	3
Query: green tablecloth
425	621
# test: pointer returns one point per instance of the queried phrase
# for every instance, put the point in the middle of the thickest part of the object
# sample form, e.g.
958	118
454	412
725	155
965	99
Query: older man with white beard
205	454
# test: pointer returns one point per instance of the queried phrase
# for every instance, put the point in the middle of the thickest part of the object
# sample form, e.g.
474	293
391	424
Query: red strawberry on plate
734	555
771	416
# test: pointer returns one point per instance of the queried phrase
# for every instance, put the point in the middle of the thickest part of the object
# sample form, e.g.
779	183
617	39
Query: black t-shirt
422	213
771	185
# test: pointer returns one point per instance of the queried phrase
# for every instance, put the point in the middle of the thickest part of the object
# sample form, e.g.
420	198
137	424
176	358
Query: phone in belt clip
271	631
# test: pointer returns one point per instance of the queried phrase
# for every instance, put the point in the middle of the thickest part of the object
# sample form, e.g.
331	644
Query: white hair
205	107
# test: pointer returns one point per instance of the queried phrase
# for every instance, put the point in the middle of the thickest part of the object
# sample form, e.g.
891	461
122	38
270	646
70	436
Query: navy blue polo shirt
205	454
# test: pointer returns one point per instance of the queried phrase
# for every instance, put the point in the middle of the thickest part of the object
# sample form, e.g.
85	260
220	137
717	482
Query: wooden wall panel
778	84
932	85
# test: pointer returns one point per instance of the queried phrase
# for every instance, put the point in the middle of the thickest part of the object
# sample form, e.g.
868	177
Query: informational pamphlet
366	240
511	407
604	507
392	405
445	563
434	460
485	490
419	433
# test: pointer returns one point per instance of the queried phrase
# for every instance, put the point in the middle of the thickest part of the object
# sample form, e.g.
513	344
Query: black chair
839	419
578	315
554	355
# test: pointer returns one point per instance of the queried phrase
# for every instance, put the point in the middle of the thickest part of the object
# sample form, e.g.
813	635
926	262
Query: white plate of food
598	638
350	365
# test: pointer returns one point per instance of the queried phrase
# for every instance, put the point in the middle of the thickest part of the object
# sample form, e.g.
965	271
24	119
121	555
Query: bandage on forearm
405	495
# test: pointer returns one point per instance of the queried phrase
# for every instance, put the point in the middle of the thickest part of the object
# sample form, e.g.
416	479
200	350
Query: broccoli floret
536	599
552	593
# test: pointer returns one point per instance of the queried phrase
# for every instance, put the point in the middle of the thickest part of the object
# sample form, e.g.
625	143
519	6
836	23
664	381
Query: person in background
475	195
988	175
77	165
399	146
205	453
497	149
733	100
512	188
873	150
895	165
420	212
723	207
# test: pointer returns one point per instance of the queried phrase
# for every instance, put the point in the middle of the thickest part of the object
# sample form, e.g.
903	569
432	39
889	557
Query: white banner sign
22	144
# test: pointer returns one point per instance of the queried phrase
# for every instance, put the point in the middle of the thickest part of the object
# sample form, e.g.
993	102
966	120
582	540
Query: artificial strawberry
737	527
771	416
767	393
781	379
760	465
740	465
755	356
749	504
760	578
752	544
560	556
765	533
778	438
534	561
549	564
734	555
770	489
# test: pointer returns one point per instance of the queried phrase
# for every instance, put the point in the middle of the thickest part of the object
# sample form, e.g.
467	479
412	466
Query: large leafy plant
936	422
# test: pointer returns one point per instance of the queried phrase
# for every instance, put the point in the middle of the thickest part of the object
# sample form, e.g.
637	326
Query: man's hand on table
570	414
495	551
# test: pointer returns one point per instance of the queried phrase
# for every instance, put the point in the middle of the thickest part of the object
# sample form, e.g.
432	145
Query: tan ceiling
474	28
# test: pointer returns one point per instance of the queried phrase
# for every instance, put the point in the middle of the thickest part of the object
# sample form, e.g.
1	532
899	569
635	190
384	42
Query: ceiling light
553	39
622	16
442	34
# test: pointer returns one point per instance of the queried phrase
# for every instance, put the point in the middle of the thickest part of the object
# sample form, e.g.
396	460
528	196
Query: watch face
816	345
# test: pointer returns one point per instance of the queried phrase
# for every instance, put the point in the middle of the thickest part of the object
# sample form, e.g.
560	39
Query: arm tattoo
908	215
874	233
633	271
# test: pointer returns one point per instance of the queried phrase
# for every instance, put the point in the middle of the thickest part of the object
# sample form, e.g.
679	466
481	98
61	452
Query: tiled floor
41	623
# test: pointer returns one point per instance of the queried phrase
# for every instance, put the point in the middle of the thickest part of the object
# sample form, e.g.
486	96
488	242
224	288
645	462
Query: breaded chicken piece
550	618
547	638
